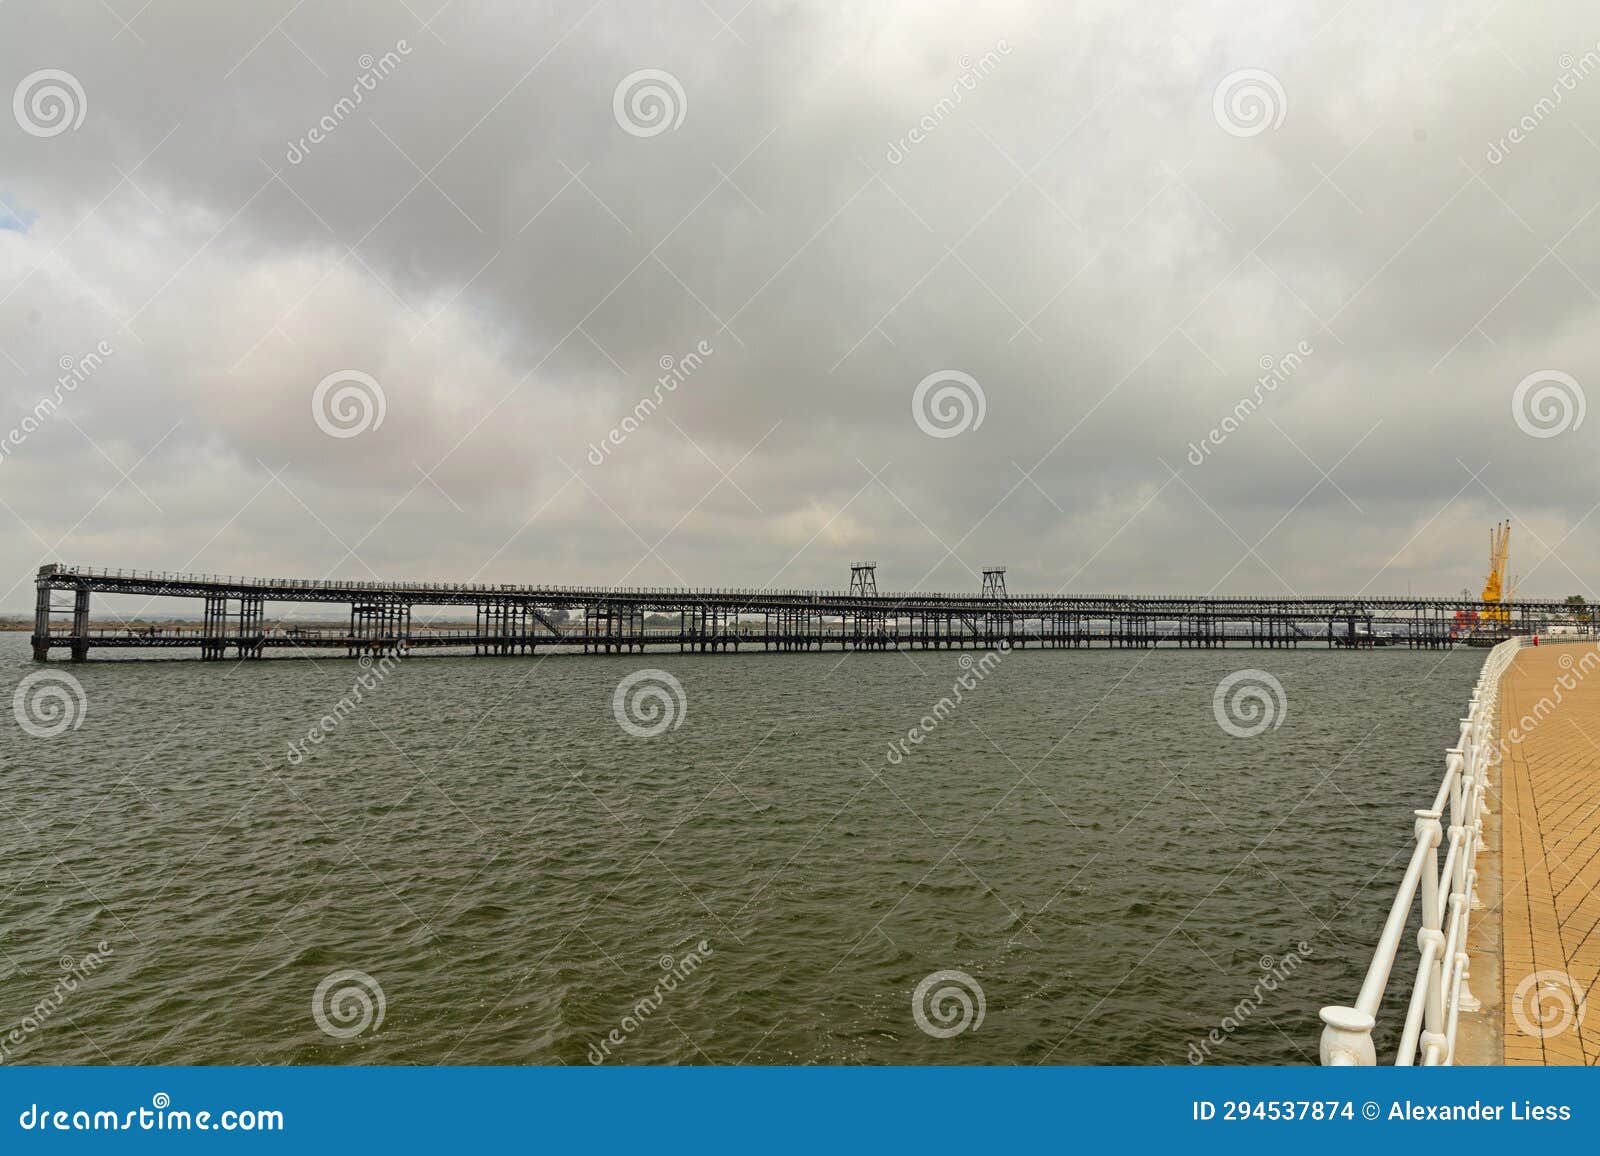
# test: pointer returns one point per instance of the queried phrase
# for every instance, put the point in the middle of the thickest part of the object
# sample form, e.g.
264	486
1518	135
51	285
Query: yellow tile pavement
1550	821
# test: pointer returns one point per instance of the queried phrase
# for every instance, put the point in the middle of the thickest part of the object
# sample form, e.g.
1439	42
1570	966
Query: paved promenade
1550	832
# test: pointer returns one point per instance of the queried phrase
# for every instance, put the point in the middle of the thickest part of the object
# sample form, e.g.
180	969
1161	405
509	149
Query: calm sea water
517	878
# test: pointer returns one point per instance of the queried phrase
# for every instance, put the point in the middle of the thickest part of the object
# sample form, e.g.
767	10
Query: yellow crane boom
1494	585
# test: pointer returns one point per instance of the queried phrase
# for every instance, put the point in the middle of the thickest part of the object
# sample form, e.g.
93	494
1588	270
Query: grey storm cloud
1247	291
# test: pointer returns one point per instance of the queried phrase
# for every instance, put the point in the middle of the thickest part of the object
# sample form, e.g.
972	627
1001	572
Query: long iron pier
513	619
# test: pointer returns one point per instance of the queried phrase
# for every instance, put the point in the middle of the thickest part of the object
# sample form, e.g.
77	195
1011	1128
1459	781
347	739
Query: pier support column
41	625
214	633
252	635
80	625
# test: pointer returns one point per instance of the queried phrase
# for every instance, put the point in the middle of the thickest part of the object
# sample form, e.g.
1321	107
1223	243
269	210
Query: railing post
1347	1038
1457	763
1431	934
1465	1000
1488	756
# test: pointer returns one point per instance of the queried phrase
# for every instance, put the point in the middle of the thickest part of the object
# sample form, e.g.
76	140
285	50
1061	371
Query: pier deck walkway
1550	824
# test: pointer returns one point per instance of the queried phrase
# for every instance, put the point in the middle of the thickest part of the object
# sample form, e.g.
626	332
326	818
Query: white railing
1440	992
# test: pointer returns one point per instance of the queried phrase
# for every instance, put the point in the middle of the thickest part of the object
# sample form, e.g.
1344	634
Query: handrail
1439	992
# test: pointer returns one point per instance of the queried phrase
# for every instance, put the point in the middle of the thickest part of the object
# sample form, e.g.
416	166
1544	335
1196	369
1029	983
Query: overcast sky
1095	229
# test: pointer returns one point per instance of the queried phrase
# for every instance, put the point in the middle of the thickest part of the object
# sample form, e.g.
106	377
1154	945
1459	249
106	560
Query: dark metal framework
615	620
864	579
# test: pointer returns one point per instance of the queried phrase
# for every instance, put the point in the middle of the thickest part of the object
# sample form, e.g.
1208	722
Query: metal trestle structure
507	620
